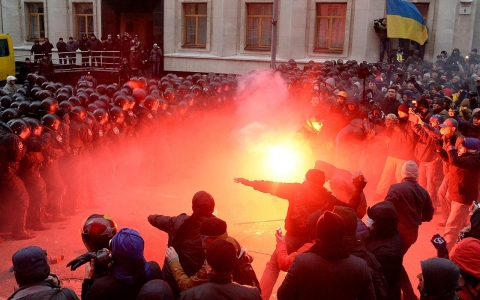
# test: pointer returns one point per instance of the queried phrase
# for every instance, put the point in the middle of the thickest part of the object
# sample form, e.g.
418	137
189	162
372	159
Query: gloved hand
439	242
82	259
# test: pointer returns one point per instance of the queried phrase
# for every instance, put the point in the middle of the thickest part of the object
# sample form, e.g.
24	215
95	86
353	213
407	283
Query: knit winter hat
349	218
221	256
330	228
213	227
409	170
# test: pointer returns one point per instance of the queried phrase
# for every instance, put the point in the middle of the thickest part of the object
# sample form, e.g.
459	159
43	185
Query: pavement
252	217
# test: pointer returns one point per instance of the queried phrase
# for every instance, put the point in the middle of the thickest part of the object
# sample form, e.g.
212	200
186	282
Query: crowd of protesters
106	52
412	127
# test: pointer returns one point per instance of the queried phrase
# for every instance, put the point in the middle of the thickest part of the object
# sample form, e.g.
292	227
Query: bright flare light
282	161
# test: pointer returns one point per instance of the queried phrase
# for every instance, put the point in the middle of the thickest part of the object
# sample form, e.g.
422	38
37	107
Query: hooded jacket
440	278
385	243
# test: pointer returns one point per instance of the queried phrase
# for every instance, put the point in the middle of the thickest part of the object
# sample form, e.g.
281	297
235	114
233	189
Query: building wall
296	30
226	30
60	21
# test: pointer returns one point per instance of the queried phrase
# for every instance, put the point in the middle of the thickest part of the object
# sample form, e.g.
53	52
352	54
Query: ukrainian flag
405	21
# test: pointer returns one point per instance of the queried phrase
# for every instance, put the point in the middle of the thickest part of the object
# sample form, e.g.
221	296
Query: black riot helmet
101	116
78	113
97	231
117	115
6	101
49	106
9	114
20	127
51	122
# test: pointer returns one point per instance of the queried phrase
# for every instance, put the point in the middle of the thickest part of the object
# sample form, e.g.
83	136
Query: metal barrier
80	60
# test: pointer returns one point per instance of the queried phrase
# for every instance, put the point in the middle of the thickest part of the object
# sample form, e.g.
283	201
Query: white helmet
10	78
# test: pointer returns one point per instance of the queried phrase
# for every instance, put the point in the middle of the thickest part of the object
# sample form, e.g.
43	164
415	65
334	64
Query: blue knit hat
127	250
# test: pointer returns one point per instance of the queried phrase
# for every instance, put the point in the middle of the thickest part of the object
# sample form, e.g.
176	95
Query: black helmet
9	114
117	114
51	121
39	80
150	103
49	106
101	116
97	231
101	89
78	113
6	101
34	123
62	97
34	107
122	102
32	77
24	107
19	127
139	95
75	100
66	105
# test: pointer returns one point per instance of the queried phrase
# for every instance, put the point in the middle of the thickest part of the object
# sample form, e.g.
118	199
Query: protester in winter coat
438	280
328	268
465	256
220	260
32	274
129	273
463	184
184	235
385	243
304	199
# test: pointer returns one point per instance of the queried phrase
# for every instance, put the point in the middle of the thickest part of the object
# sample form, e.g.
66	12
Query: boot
23	235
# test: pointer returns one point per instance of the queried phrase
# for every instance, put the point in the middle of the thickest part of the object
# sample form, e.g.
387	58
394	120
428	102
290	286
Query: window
36	21
330	27
4	51
259	27
423	9
195	25
84	14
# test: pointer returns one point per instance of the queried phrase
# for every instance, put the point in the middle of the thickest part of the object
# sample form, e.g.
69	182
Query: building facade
234	36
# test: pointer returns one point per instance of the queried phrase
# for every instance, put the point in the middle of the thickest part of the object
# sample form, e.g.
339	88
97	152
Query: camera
104	258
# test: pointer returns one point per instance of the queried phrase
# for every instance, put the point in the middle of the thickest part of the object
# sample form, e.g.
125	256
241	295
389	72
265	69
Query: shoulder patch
115	130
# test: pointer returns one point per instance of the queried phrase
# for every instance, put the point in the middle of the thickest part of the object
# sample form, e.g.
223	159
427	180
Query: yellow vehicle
7	59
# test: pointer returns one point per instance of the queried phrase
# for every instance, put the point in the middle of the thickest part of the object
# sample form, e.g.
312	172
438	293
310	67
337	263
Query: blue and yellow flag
405	21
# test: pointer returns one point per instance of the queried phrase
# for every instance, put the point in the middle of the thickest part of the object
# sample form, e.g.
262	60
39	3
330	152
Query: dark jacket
385	243
109	288
43	290
156	55
94	45
468	129
312	276
45	67
72	46
62	47
402	142
303	200
412	202
82	44
425	148
47	48
221	287
389	106
184	235
463	177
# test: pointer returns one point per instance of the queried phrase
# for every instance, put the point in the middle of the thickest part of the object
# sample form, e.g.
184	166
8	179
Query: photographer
380	26
129	269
